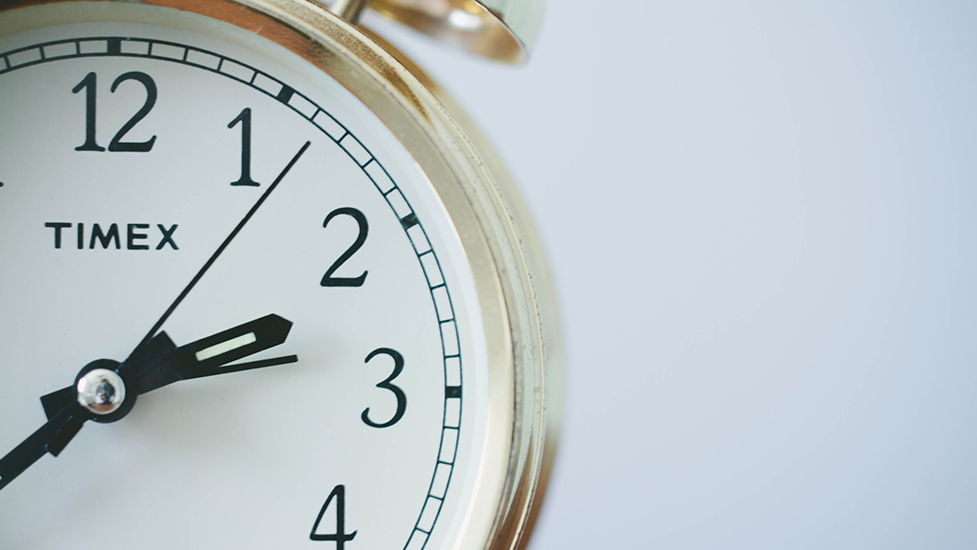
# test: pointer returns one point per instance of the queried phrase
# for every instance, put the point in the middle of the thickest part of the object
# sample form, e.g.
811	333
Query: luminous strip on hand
224	347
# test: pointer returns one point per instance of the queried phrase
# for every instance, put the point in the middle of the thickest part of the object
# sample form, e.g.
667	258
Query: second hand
193	282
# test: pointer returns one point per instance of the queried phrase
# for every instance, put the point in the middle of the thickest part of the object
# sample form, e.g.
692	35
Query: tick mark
285	95
408	221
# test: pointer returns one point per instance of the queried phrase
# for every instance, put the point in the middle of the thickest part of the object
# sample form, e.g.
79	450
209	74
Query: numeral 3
387	385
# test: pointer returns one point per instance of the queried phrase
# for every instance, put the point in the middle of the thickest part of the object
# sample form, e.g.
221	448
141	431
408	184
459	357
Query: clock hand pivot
101	391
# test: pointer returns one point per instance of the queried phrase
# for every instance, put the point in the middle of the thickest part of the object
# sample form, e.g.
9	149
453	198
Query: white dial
130	156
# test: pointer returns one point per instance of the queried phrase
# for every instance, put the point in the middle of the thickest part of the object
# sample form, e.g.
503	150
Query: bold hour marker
408	221
285	95
224	347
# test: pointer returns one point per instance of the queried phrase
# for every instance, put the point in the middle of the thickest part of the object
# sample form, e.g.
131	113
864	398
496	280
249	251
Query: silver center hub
101	391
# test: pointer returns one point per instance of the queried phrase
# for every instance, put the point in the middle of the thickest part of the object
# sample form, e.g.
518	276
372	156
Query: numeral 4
339	537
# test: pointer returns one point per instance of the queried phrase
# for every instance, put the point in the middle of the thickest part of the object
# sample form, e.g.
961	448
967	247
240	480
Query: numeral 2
386	385
89	84
339	537
328	279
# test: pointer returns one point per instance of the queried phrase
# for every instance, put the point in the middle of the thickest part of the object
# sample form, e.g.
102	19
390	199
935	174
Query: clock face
133	154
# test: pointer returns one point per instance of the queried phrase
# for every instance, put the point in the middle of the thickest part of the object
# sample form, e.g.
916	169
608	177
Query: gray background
760	219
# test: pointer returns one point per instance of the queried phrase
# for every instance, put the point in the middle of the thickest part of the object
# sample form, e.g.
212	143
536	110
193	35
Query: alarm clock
264	285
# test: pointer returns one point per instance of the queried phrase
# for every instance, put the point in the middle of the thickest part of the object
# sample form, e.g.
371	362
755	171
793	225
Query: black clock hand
208	356
220	249
152	366
48	438
55	401
144	357
161	363
148	360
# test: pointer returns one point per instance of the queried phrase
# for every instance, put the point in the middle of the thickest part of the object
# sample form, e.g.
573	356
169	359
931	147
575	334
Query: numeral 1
245	119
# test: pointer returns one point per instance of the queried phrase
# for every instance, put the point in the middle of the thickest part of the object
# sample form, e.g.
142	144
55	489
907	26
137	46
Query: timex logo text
136	235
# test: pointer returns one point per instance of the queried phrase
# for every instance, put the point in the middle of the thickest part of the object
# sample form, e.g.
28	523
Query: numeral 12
89	84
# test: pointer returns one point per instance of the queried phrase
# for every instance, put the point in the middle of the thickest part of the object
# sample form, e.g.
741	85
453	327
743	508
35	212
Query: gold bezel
521	328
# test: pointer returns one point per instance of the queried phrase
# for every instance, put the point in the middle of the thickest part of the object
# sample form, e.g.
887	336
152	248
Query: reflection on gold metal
504	30
349	10
551	382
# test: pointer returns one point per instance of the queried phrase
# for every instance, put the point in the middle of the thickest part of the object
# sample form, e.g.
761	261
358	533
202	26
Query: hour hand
211	355
159	362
